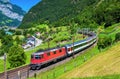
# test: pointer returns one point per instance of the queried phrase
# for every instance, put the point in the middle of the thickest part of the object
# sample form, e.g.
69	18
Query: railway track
10	73
24	72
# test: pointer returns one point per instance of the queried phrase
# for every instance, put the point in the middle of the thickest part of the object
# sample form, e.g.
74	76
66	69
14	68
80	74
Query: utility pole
82	33
48	41
48	44
34	42
22	34
73	47
5	71
76	35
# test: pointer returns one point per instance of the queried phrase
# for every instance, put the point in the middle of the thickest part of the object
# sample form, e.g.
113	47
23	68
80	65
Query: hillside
86	13
108	65
10	14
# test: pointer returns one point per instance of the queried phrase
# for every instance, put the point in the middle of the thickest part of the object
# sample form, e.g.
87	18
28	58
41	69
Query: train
44	57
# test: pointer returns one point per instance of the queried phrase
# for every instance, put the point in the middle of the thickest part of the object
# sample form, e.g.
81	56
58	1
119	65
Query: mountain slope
10	15
53	11
106	63
65	12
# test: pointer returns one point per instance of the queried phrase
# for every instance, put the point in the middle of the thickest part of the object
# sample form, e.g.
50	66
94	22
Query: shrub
104	42
16	56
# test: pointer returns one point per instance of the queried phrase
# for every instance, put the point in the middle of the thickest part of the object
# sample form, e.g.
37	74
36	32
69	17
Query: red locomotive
43	57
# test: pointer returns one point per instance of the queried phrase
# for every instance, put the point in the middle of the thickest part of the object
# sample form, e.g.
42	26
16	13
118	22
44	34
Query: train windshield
38	56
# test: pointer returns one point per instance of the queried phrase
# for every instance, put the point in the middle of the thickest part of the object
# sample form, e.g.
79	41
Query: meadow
105	63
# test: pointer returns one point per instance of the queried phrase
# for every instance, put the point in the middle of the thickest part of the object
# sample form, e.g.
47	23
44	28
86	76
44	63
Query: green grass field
116	76
105	63
1	65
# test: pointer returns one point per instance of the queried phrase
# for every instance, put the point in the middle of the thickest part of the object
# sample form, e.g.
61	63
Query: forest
85	13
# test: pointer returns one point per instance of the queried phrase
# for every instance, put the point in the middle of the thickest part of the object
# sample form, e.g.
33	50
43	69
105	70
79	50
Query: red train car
43	57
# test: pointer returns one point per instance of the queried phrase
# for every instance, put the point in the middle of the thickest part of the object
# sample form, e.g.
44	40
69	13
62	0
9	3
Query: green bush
104	42
16	56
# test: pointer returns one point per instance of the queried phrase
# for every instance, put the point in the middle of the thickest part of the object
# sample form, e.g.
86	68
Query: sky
25	4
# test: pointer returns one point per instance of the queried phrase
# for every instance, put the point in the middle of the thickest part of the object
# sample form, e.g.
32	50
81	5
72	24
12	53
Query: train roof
82	41
69	45
78	42
41	51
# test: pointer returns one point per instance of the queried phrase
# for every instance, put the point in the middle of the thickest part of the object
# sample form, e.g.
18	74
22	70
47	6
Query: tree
18	40
2	33
18	32
104	42
16	56
100	43
7	42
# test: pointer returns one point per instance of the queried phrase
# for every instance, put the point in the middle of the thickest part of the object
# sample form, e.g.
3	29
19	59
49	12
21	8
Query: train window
60	50
75	47
48	54
54	52
37	57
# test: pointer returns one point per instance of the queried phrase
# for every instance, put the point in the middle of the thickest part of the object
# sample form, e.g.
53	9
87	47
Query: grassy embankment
116	76
105	63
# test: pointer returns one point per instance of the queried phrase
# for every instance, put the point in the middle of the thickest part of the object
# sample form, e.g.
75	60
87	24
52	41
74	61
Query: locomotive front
36	61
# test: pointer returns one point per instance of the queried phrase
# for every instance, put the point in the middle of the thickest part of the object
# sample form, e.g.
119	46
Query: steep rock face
10	15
